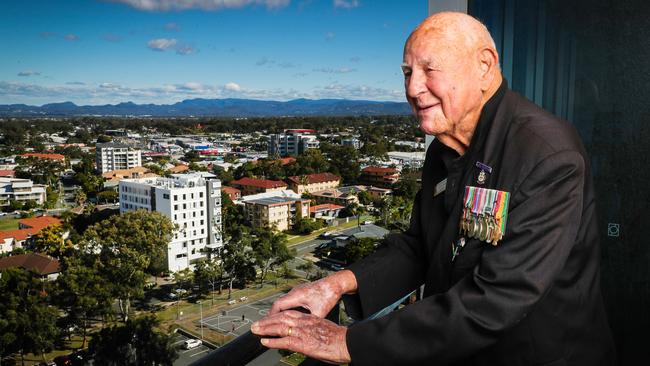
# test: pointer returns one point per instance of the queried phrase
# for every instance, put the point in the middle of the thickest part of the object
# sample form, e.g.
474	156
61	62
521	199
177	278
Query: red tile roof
7	173
325	207
39	222
262	183
30	226
314	178
285	161
35	262
378	169
44	156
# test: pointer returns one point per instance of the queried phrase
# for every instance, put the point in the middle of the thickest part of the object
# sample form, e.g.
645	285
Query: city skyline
163	51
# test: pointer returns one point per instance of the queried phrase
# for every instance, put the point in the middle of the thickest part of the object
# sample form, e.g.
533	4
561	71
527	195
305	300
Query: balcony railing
247	347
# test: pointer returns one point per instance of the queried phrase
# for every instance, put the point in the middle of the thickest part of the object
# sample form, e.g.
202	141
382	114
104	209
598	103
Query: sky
94	52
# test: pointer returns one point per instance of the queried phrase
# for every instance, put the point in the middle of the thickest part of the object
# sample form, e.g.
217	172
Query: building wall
114	158
195	209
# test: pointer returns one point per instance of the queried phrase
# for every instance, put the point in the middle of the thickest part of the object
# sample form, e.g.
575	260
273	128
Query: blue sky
164	51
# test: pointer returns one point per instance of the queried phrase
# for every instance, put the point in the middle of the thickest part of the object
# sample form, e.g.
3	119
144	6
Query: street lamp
201	305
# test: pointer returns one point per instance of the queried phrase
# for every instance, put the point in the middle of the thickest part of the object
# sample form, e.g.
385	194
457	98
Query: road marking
202	351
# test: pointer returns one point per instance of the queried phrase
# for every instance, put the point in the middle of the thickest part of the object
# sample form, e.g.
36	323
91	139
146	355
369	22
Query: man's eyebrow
405	66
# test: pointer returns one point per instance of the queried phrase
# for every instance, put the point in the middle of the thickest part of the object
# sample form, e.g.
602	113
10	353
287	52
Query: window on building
201	204
166	196
175	197
184	244
184	206
200	194
175	207
194	214
192	195
184	196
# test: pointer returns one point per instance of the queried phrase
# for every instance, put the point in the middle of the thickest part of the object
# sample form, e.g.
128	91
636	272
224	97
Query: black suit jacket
534	299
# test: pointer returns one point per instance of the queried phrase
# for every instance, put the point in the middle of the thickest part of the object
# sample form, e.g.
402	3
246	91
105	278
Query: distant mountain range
214	108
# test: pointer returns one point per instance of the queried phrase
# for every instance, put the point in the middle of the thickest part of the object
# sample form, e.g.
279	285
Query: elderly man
503	233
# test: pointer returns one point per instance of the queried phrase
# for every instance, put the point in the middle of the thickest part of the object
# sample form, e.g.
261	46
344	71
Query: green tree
137	342
406	187
359	248
236	256
308	267
124	246
28	323
50	241
41	171
365	198
83	293
207	274
107	196
344	161
269	251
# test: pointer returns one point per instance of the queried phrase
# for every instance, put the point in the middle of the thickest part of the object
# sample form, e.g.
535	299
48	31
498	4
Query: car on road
192	343
367	222
326	234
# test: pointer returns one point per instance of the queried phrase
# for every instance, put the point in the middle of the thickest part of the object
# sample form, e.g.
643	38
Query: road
307	247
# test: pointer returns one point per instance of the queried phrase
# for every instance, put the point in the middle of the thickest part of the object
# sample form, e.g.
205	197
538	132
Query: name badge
440	187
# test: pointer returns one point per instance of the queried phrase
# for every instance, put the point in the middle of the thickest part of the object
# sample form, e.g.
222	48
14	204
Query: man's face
440	85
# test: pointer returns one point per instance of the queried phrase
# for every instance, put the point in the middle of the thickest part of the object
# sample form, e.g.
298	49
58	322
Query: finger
276	330
278	320
288	343
286	302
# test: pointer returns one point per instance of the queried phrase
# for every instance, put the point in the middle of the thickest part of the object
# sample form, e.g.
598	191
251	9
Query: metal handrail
247	347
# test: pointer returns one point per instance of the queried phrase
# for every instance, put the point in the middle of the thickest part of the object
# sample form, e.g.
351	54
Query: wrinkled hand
318	297
304	333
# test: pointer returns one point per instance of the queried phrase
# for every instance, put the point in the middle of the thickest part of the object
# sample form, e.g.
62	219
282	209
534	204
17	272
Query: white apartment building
21	190
114	156
191	201
292	142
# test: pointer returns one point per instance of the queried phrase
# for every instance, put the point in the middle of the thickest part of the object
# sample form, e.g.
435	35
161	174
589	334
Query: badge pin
485	170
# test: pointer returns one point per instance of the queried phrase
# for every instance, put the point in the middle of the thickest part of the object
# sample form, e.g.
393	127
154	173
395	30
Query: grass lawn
8	224
69	347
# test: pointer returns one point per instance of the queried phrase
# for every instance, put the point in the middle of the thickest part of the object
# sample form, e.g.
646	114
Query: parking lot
187	356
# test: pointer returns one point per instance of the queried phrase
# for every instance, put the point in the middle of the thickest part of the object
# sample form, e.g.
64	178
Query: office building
21	190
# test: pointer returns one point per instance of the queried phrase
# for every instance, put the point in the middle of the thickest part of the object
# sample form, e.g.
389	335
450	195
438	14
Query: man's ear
488	66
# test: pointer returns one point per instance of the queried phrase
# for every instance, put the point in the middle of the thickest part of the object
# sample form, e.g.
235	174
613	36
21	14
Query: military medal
485	212
485	170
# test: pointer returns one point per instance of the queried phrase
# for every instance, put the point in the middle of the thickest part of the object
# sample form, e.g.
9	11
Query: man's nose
415	84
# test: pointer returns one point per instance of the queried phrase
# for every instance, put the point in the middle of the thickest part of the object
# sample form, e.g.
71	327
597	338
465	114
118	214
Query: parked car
367	222
192	343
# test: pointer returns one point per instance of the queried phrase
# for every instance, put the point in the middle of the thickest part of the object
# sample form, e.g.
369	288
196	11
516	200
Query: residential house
379	176
42	265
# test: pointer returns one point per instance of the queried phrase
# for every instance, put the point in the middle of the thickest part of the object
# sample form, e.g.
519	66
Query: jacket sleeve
543	221
378	286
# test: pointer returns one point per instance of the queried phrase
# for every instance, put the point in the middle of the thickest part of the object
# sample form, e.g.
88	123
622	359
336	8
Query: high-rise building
292	142
114	156
191	201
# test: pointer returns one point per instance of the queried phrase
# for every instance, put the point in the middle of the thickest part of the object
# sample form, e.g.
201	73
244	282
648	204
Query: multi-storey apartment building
279	212
21	190
114	156
379	176
292	142
313	182
191	201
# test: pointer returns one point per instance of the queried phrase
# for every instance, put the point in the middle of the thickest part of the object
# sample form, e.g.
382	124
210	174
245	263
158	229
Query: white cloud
329	70
75	83
233	87
210	5
329	36
263	61
186	50
71	37
161	44
355	59
346	4
47	34
94	94
173	26
29	73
